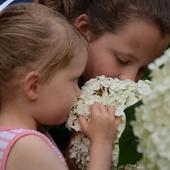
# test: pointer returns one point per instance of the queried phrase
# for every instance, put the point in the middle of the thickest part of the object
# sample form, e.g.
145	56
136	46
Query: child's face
126	54
56	98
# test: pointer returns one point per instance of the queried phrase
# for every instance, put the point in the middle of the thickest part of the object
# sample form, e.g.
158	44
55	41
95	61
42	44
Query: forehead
78	62
141	39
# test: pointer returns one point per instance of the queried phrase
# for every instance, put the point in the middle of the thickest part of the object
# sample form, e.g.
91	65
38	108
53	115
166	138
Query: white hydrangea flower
110	92
152	125
161	60
131	167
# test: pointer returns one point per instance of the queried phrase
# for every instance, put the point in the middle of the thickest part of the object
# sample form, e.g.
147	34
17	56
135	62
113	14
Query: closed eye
76	79
121	60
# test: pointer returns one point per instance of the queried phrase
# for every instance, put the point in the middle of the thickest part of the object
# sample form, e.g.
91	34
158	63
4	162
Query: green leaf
128	141
147	75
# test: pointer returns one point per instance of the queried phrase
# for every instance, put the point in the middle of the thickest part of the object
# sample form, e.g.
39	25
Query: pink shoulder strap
9	137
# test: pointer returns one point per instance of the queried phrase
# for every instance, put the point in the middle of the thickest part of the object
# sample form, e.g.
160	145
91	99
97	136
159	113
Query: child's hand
103	125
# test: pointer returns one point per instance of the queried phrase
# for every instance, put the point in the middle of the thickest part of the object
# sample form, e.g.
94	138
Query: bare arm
101	131
33	153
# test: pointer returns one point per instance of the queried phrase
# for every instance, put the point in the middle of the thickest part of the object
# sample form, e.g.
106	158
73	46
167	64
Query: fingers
111	110
100	112
95	108
103	120
117	120
83	123
102	109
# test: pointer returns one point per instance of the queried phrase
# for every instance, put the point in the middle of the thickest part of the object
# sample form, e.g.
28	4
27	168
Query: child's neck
18	119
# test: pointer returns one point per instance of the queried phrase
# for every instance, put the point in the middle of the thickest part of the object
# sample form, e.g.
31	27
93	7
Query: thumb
83	123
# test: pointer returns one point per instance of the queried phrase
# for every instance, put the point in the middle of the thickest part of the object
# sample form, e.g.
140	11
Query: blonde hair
34	37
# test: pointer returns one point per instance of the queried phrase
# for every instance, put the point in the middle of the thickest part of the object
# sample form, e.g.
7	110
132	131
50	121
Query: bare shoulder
32	152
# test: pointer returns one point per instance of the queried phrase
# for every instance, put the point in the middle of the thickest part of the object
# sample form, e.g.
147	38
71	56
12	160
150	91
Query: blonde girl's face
56	98
125	55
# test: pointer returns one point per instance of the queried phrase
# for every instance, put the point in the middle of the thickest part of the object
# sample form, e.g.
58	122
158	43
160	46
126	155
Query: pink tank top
10	135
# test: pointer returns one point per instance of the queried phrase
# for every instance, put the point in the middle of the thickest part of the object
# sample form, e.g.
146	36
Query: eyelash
121	61
77	79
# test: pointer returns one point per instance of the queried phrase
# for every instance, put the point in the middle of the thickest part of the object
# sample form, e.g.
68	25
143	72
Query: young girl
41	58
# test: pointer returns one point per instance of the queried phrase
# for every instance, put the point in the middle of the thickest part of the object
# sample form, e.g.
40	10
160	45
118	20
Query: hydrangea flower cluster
152	125
110	92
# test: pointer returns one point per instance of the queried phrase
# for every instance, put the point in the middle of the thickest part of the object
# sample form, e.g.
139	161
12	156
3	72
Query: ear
82	25
31	85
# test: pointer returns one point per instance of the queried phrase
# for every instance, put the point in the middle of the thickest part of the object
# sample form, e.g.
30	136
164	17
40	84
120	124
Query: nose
131	75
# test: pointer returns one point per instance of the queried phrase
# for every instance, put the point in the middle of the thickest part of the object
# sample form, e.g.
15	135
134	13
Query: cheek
69	95
62	109
108	70
100	67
